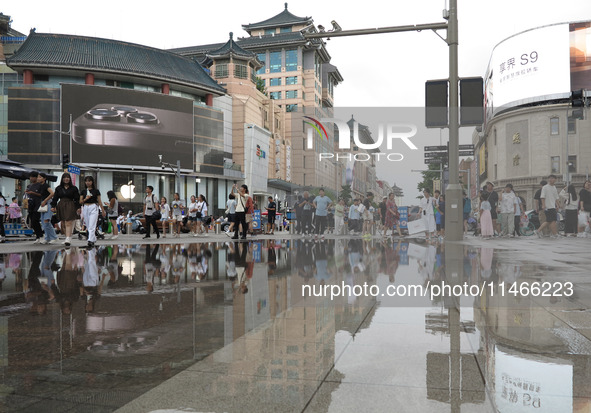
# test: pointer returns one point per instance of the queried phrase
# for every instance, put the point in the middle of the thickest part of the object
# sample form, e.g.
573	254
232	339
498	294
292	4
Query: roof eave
220	91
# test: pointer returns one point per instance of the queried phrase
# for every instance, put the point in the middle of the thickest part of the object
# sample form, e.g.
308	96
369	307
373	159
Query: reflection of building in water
534	361
295	343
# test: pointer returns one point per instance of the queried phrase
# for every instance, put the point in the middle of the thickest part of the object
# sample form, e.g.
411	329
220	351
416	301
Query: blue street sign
257	249
256	219
404	253
73	169
403	220
17	229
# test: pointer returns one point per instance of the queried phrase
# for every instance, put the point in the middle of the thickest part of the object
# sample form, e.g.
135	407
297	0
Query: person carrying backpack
151	212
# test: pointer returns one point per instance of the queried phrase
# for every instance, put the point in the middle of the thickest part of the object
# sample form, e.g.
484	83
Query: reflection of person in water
321	260
91	281
305	260
179	262
2	270
231	262
151	266
392	260
199	262
243	264
48	266
271	256
37	293
67	287
486	258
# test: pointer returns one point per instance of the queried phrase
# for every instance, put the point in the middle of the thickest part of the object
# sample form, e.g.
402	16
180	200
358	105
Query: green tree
345	192
261	86
428	177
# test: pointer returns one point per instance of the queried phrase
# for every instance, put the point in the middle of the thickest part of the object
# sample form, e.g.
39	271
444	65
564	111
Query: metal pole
453	222
70	136
178	178
378	30
567	163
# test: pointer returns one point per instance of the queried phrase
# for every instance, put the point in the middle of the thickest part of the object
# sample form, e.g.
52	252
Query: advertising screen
537	65
126	127
532	384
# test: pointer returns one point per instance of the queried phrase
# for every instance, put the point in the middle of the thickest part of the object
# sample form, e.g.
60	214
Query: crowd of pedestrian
361	215
505	215
500	213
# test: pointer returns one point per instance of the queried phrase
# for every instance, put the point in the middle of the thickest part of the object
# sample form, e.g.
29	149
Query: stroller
100	224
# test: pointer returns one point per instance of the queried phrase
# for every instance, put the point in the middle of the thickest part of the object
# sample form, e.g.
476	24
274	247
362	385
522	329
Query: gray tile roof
285	18
231	48
62	51
247	43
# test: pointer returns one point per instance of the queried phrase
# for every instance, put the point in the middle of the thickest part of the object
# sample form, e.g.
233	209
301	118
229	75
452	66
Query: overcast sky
380	70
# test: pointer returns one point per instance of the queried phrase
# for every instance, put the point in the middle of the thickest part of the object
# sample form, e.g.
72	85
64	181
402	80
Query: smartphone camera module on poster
132	127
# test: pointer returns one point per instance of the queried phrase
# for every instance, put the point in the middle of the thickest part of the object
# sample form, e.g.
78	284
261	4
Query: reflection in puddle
76	322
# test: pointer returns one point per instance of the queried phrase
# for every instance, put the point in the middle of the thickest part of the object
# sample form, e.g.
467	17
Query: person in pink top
14	212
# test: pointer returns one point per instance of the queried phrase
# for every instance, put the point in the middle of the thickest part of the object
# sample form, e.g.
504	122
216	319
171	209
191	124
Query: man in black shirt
493	199
307	210
271	210
34	202
585	202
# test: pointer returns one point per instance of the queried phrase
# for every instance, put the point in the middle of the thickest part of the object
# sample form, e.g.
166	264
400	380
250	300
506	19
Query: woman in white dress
427	205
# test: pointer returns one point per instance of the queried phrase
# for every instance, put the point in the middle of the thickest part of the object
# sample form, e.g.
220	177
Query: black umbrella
17	170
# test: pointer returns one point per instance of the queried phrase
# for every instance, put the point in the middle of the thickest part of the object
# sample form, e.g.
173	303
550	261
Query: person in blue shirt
321	203
467	210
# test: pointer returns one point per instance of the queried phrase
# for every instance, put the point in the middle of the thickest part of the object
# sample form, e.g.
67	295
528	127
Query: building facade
537	119
119	111
298	77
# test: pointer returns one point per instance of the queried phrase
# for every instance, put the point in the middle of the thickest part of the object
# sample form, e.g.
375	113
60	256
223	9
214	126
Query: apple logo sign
128	190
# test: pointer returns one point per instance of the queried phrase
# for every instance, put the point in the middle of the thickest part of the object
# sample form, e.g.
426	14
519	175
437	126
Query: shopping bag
416	226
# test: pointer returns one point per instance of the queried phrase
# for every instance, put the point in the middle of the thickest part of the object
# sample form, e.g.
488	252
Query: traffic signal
65	160
278	206
577	100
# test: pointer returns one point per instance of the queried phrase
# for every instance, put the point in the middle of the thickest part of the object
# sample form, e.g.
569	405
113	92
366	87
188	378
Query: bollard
218	228
291	227
128	228
171	225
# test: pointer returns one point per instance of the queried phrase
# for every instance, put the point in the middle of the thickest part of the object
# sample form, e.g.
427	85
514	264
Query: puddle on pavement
101	327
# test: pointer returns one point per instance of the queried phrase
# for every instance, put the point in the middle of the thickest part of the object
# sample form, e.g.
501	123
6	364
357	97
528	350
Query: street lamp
177	172
454	221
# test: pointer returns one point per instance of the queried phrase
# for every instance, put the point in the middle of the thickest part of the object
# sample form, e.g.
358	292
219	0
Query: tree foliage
261	86
428	177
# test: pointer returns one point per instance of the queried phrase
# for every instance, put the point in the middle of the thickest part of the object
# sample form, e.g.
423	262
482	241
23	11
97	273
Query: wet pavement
222	327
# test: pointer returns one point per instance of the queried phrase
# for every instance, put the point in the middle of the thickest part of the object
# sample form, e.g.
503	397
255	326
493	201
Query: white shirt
550	194
202	207
241	202
569	203
150	207
231	205
2	206
508	203
427	205
165	211
517	206
192	206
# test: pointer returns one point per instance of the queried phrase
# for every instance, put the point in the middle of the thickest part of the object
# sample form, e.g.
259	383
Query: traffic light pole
453	217
454	225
